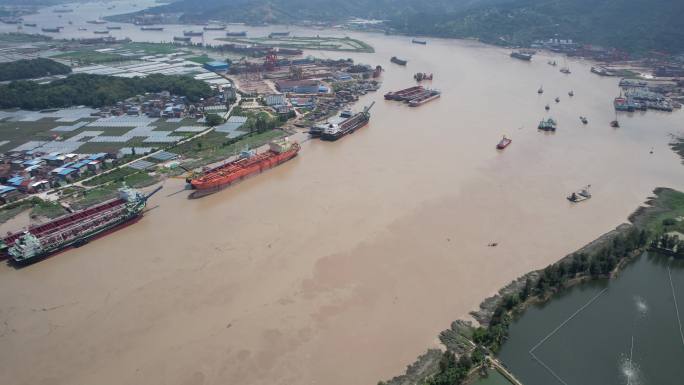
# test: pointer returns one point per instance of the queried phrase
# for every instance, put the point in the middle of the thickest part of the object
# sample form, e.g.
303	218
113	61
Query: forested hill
631	25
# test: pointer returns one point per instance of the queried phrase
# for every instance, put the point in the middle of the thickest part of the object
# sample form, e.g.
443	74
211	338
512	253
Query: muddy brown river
342	265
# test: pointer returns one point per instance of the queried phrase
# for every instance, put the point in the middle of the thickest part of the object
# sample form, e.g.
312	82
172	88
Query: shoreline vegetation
652	227
341	44
629	26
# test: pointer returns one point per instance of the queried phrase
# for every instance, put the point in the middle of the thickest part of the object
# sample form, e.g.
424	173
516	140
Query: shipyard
242	197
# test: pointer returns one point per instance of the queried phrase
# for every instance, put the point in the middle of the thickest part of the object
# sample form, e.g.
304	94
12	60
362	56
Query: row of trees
669	244
96	90
31	68
555	277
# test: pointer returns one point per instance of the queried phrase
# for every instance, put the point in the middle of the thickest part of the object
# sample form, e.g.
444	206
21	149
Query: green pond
622	331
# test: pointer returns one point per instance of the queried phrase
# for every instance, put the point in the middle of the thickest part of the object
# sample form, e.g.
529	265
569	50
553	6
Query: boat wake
629	371
641	306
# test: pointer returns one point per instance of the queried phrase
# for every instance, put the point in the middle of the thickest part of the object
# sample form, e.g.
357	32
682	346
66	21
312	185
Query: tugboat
584	120
547	125
581	195
571	93
540	90
396	60
503	143
557	99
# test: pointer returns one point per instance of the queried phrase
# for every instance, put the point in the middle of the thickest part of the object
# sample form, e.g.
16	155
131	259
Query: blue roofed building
216	66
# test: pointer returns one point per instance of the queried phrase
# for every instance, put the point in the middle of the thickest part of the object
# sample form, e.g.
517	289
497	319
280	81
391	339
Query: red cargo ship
222	176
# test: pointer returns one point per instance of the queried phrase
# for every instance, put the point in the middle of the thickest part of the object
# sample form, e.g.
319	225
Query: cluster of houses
30	173
161	105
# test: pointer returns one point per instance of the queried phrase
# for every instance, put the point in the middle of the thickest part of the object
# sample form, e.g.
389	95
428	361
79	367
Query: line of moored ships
79	227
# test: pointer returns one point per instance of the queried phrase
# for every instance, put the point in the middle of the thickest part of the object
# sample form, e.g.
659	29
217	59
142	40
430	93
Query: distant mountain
631	25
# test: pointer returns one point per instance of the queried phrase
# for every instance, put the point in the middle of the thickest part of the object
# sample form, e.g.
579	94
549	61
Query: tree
213	120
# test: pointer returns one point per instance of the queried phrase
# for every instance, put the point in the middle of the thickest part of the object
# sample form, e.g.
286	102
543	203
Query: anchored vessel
356	121
580	195
248	164
547	125
396	60
236	34
521	55
214	27
75	229
503	143
405	93
426	96
193	33
151	28
182	38
416	41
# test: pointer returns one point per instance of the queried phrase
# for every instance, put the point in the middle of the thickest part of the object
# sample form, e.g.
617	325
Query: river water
342	265
630	332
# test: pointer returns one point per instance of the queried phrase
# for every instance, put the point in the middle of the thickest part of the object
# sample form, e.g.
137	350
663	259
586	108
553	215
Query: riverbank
602	258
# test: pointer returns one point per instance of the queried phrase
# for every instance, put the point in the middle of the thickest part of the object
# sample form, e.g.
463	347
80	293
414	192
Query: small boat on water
420	76
30	24
220	27
557	99
580	195
421	42
236	34
82	29
584	119
396	60
571	93
193	33
547	125
615	124
52	30
151	28
546	107
182	38
551	63
503	143
113	27
97	21
540	90
103	32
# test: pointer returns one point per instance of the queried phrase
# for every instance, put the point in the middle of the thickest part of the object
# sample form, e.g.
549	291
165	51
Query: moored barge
356	121
74	229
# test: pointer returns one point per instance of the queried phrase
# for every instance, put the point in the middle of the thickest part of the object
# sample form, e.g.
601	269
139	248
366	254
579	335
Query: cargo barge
151	28
193	33
421	42
212	180
114	27
236	34
51	30
74	229
356	121
397	95
102	32
423	98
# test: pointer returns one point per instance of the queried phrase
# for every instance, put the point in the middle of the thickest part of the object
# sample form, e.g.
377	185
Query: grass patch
203	59
152	48
665	214
47	209
93	57
10	212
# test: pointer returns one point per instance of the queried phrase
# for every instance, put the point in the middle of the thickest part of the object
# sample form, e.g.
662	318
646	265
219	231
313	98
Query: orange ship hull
231	172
